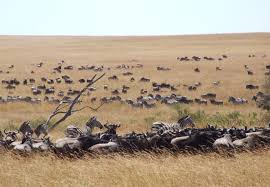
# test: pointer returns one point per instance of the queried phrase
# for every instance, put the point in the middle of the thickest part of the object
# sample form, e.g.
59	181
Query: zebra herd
182	135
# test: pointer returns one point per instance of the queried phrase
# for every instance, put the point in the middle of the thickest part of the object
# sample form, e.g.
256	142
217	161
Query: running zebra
161	127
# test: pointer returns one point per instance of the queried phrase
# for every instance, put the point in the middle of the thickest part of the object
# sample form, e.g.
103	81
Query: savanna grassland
245	169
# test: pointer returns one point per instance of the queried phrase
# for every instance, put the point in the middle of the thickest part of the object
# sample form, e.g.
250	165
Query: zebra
75	135
91	124
73	132
162	127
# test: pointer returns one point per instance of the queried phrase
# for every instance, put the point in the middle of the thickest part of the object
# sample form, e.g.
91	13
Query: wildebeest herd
179	136
44	90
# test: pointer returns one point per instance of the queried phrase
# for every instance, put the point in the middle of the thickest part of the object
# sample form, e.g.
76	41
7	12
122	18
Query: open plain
234	57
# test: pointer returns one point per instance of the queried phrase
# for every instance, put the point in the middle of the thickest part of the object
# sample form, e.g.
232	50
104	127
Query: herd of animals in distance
182	135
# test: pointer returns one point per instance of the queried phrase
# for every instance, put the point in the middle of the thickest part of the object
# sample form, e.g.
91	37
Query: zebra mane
183	118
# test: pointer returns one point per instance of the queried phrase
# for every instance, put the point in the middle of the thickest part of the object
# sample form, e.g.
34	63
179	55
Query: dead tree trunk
60	109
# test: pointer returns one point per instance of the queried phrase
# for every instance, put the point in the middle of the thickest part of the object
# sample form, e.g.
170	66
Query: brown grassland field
143	169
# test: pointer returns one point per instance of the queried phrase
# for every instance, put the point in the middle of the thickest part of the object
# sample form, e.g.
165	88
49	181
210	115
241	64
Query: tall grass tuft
230	119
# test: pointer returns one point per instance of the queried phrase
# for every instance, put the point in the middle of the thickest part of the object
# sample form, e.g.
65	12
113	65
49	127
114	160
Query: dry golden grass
247	169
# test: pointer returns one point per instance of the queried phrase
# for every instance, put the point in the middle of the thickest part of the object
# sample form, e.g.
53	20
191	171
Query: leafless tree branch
59	109
95	109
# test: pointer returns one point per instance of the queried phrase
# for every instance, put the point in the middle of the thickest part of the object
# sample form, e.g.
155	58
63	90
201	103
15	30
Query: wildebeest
114	77
216	102
197	70
143	79
26	129
252	141
218	69
197	140
237	100
224	142
43	145
200	101
250	72
209	96
251	86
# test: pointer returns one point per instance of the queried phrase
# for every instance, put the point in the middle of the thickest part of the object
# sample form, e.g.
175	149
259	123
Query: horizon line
153	35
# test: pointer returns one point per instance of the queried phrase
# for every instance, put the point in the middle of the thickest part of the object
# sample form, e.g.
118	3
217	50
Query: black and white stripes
182	123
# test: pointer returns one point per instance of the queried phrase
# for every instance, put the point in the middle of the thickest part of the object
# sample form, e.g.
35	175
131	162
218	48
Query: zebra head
185	121
92	123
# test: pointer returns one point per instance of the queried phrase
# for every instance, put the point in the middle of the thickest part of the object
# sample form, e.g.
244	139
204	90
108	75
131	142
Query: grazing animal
73	132
197	70
44	145
216	102
10	136
209	96
115	92
224	142
200	101
110	132
127	73
251	86
143	79
91	124
237	101
25	146
114	77
250	72
82	80
216	83
58	69
41	129
197	140
251	141
67	144
81	142
110	146
25	128
182	123
218	69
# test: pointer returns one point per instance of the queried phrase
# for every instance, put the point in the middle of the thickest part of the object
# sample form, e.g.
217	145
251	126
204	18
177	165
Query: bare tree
67	109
